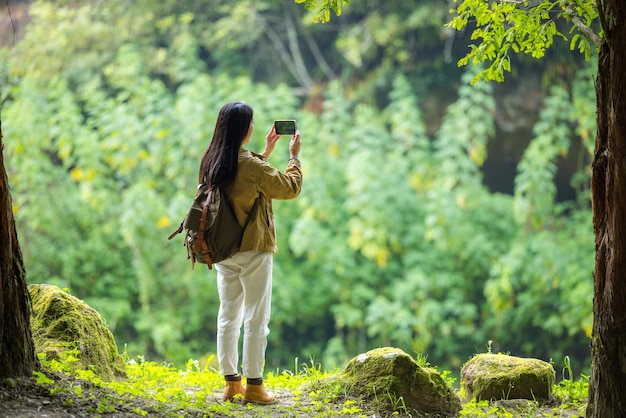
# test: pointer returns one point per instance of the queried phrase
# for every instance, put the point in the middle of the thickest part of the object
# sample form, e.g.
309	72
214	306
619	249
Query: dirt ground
24	398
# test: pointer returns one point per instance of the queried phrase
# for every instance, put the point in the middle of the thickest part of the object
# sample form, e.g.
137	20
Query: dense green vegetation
397	239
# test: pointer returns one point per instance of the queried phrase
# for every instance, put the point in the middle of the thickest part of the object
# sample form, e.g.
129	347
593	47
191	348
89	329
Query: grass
196	391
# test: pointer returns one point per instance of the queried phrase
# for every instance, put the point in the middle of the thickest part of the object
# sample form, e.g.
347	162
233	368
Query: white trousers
244	284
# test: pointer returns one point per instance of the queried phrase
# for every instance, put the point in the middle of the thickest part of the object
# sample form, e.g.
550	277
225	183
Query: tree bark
17	350
607	386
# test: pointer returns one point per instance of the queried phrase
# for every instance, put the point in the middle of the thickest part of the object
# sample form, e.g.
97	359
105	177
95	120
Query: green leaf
42	379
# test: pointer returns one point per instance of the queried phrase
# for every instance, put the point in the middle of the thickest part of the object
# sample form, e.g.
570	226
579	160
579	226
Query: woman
244	281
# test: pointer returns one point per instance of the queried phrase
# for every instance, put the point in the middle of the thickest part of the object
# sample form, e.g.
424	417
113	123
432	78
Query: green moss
395	381
63	324
499	376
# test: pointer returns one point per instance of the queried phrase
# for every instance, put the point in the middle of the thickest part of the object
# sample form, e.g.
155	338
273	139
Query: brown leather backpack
212	232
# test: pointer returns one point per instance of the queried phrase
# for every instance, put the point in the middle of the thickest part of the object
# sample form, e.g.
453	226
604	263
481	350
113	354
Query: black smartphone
285	127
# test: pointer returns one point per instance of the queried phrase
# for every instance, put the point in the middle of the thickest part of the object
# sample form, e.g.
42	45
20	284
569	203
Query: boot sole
247	401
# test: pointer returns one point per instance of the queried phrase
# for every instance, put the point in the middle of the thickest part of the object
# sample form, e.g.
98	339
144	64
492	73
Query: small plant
446	375
476	408
398	404
422	360
42	379
104	407
567	367
140	411
571	392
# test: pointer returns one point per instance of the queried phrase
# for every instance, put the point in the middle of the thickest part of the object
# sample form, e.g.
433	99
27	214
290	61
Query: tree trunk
607	387
17	351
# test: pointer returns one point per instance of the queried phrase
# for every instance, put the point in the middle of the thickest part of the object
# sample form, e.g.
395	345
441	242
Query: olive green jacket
257	179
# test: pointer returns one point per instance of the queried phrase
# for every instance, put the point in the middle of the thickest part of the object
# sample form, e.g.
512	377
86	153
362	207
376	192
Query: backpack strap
178	231
203	245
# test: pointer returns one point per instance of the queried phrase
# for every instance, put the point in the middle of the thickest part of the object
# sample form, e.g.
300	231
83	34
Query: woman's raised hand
294	145
270	141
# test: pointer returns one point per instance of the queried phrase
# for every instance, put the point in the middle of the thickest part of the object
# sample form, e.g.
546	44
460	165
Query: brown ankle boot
233	387
255	393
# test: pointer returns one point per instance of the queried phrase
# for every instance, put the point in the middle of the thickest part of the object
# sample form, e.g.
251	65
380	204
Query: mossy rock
392	378
63	324
500	376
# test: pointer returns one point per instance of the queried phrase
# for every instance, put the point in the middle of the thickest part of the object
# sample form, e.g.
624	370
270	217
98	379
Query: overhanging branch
570	11
580	25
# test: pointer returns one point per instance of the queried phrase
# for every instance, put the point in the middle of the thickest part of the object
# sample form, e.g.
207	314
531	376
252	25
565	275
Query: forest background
438	217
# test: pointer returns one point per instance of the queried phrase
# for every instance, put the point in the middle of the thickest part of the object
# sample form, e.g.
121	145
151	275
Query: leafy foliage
529	27
535	190
322	11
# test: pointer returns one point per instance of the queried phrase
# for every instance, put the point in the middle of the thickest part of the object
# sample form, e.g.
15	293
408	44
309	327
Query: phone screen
285	127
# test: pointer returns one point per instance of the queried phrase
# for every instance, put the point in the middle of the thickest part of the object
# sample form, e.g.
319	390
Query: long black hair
218	166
